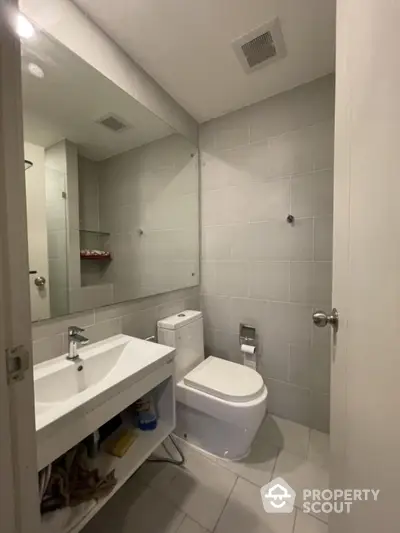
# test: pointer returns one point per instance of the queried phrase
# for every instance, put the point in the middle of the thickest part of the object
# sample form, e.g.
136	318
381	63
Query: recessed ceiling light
35	70
24	28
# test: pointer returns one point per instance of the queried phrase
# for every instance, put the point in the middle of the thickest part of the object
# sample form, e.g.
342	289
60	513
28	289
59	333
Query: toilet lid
226	380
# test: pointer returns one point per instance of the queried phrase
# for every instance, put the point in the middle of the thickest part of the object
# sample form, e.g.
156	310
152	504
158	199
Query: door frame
19	499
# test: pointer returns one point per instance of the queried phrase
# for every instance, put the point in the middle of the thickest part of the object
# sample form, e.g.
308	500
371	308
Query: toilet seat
225	380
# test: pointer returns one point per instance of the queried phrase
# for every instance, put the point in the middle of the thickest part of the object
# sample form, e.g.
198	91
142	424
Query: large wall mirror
112	190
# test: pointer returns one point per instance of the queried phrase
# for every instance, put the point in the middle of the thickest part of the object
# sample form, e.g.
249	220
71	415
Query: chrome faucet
75	339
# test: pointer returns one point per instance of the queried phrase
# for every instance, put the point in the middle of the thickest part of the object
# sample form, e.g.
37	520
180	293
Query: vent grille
113	123
261	46
259	49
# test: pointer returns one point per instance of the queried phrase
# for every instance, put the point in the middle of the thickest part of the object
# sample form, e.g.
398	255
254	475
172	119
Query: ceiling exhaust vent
261	46
113	123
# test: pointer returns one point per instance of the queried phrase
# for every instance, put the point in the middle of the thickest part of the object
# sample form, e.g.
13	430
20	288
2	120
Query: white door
35	182
19	503
365	398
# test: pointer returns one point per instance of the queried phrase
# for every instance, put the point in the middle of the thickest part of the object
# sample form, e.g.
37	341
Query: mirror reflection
112	190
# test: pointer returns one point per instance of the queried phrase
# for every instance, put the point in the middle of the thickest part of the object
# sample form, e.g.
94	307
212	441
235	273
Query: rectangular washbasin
103	369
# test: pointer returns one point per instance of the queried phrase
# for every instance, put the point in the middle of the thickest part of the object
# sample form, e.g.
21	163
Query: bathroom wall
158	182
149	203
35	182
62	158
88	173
57	235
260	164
137	318
92	272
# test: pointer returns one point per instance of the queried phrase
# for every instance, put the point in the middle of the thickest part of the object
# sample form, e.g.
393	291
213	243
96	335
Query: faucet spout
75	339
80	339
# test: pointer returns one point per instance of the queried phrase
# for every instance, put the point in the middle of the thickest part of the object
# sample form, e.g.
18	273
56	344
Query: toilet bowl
220	404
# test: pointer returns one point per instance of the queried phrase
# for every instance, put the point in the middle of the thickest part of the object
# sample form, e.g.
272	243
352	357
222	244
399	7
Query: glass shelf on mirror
89	256
95	232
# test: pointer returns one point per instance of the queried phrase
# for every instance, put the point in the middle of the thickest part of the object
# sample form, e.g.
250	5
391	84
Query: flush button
181	315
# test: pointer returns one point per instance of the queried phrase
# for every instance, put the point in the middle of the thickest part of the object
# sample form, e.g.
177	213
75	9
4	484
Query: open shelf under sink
74	519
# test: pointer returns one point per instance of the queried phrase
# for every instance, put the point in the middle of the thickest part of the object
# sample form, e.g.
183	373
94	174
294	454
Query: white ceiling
185	45
72	96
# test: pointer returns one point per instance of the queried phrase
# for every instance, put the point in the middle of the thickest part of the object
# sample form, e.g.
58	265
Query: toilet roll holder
247	335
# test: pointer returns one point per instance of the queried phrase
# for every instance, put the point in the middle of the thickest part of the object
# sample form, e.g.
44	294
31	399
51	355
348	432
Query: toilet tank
184	332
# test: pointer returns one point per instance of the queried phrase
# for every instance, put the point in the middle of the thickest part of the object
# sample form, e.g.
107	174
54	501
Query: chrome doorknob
321	319
40	281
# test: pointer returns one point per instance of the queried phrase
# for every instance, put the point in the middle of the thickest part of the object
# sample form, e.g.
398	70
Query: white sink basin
103	370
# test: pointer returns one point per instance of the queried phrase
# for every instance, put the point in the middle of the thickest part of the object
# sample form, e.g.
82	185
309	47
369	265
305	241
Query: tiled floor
214	495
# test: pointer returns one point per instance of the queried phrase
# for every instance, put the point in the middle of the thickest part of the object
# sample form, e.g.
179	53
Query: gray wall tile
216	311
269	200
137	318
323	233
217	242
289	401
232	278
222	344
310	103
258	165
320	411
311	283
270	281
247	311
274	360
149	198
312	194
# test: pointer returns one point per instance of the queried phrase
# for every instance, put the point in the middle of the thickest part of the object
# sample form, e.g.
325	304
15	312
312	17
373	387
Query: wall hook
290	219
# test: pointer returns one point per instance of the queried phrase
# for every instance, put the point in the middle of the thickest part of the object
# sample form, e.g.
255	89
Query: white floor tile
244	513
300	474
308	524
318	451
132	509
258	466
190	526
285	434
154	474
200	489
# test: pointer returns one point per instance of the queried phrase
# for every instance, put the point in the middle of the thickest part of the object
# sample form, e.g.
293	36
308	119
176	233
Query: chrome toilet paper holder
247	335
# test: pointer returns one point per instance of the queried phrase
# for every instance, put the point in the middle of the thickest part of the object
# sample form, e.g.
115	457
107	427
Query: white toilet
220	404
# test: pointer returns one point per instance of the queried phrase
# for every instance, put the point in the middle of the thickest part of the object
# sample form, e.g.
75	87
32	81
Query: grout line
184	515
289	364
261	261
295	519
308	443
313	239
319	519
276	462
226	503
298	129
299	509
